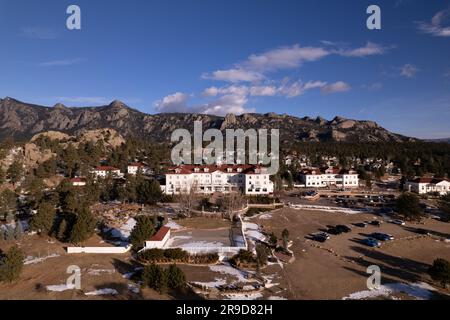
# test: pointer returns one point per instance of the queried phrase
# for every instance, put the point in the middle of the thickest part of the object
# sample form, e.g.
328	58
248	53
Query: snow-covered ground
173	225
244	296
60	287
419	290
102	292
212	284
241	276
252	232
326	208
124	231
33	260
97	272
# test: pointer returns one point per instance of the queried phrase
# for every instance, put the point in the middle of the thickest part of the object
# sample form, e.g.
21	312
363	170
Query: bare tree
230	203
188	199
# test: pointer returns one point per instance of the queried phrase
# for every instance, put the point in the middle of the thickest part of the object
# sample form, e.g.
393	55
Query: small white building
78	182
103	171
428	185
159	240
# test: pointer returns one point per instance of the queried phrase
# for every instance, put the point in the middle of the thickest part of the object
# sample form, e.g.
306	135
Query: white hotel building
248	179
428	185
320	178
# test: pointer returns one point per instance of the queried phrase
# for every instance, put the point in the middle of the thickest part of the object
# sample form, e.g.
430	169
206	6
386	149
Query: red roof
136	164
429	180
233	168
106	168
78	179
159	236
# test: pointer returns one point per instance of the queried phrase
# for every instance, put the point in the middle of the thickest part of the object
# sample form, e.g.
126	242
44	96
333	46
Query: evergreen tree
62	230
285	237
176	278
11	265
18	230
155	277
408	205
9	233
440	271
44	220
84	225
142	231
8	203
15	172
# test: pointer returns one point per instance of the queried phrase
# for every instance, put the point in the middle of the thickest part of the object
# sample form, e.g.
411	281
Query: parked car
321	237
343	228
382	236
334	231
371	242
360	224
376	223
398	222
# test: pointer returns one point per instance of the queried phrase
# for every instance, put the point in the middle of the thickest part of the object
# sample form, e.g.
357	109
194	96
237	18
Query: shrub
440	271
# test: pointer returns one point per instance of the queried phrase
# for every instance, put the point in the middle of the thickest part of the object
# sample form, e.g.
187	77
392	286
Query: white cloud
339	86
41	33
438	26
256	66
234	75
228	103
263	91
298	88
60	63
284	58
369	49
176	102
408	71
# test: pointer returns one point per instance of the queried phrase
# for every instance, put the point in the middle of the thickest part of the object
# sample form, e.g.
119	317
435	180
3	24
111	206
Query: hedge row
176	255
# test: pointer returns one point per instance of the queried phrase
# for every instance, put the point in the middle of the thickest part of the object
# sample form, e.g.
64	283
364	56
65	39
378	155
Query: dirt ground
331	270
337	268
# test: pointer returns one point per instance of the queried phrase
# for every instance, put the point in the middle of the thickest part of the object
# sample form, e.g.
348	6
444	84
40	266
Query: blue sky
305	58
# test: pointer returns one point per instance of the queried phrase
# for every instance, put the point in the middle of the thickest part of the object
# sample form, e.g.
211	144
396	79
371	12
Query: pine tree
43	221
18	230
285	236
15	172
9	233
62	230
2	234
11	265
440	271
84	225
142	231
175	277
155	277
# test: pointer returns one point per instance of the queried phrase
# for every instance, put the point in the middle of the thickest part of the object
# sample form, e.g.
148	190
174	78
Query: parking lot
337	267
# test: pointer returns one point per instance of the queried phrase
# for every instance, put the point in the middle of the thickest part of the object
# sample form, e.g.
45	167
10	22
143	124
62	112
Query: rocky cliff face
22	121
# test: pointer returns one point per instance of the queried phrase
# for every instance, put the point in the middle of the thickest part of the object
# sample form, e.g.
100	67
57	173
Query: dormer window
239	169
206	170
230	170
196	170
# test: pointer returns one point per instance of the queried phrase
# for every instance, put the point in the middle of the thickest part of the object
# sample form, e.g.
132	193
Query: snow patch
102	292
419	290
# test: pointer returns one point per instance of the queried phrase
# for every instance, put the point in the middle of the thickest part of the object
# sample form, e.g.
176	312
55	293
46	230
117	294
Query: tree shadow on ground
397	267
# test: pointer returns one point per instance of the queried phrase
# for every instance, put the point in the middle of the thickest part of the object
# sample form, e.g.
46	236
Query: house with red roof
159	239
428	185
78	182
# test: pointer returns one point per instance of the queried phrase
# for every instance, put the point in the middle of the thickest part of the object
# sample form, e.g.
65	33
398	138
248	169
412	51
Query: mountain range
23	120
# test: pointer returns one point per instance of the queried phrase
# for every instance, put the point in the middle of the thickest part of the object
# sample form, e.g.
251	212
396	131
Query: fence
105	250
